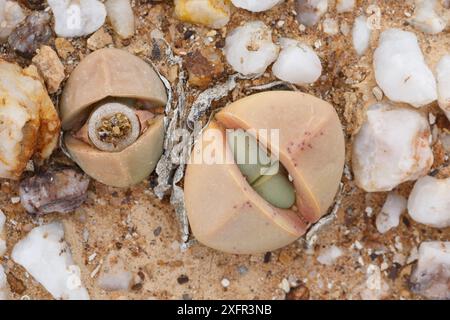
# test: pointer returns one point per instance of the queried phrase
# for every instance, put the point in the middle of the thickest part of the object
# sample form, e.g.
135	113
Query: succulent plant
228	211
108	112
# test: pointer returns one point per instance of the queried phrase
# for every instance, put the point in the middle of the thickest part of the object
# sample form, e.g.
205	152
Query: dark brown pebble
299	293
267	257
157	231
30	35
156	51
220	44
188	34
186	296
393	271
406	222
137	287
183	279
141	275
33	4
373	256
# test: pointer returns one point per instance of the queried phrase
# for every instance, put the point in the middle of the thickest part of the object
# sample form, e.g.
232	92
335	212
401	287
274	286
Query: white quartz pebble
77	18
309	12
401	71
4	287
2	233
115	281
375	288
345	5
211	13
256	5
330	26
361	33
249	49
114	275
429	16
329	255
445	139
121	16
389	217
297	63
431	277
11	14
429	202
46	256
392	147
443	82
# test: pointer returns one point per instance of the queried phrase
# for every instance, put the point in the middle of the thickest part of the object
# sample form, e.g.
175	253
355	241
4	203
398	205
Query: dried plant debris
312	236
